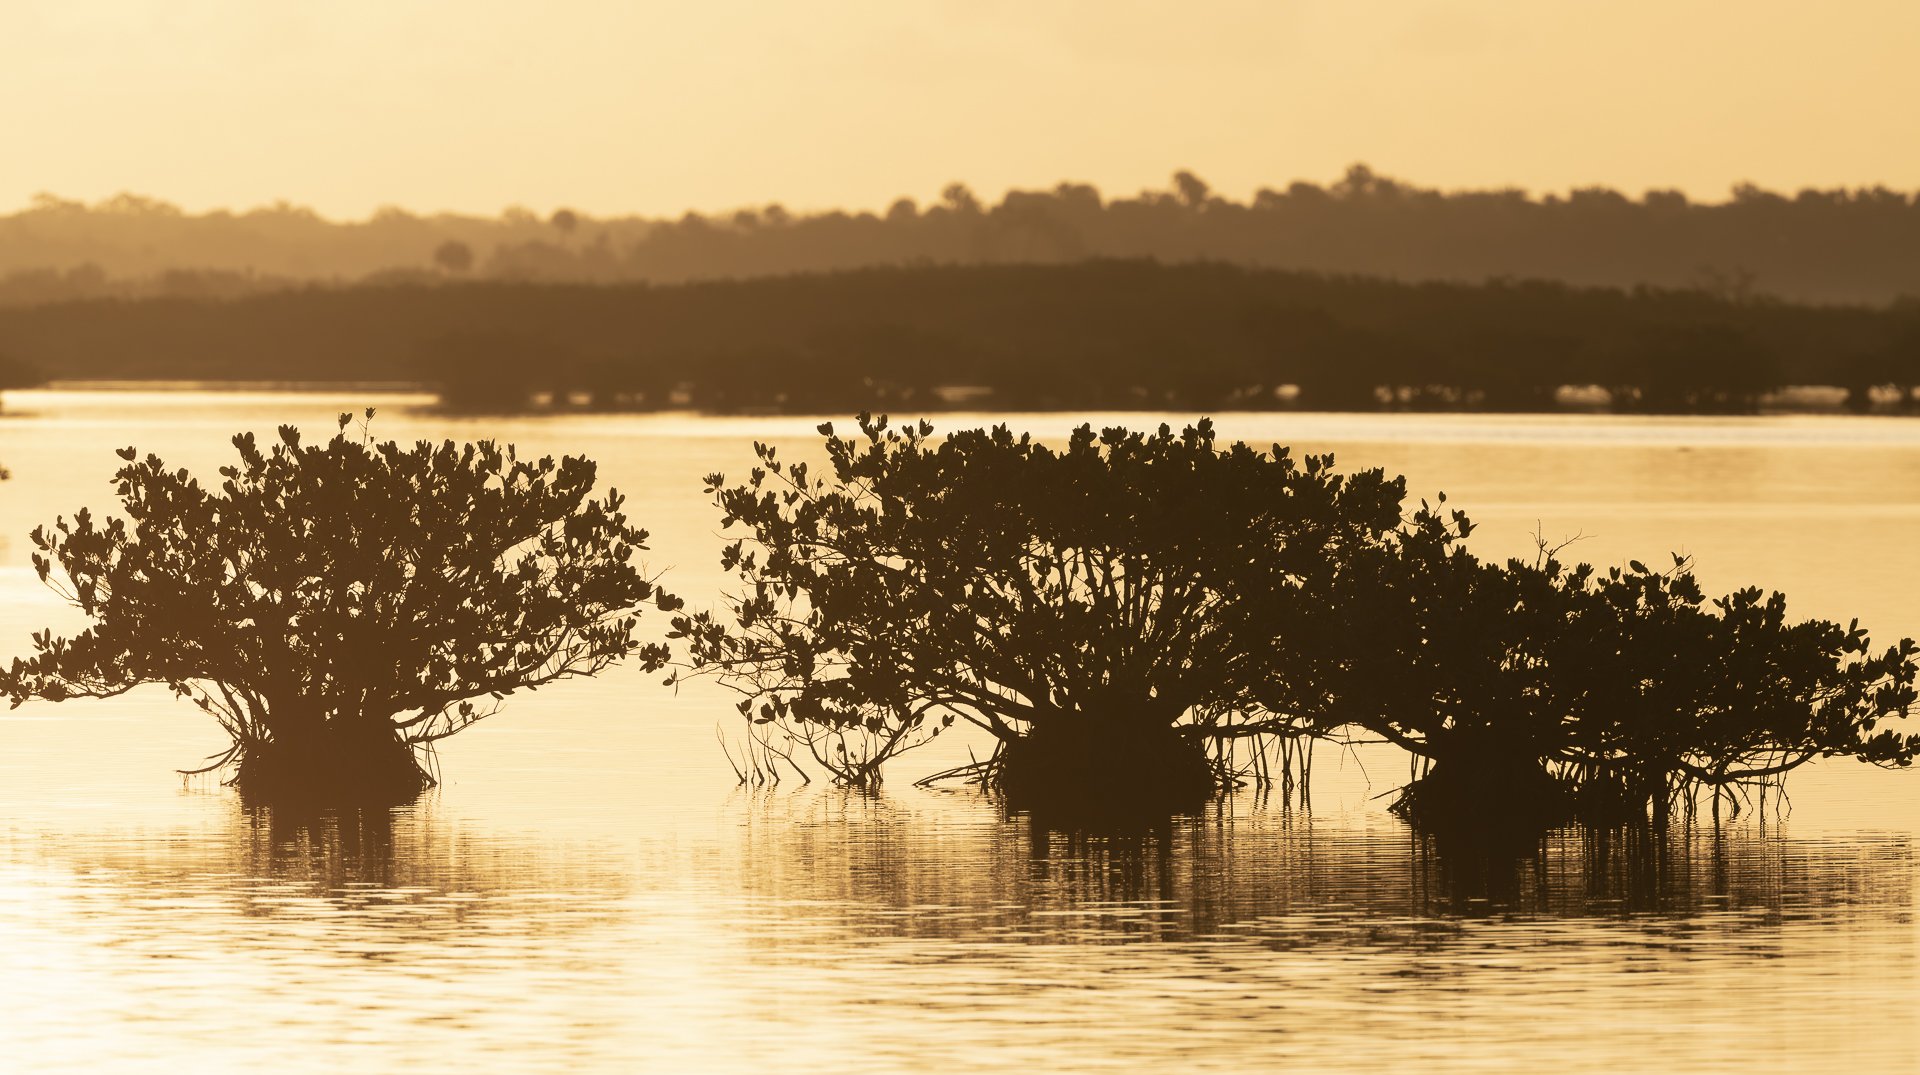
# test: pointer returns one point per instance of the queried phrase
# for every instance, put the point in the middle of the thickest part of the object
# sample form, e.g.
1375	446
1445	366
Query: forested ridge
1853	245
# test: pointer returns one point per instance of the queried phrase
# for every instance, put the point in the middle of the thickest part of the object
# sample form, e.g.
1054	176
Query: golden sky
650	107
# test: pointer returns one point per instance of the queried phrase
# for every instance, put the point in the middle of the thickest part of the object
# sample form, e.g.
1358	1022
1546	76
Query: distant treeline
1107	334
1814	245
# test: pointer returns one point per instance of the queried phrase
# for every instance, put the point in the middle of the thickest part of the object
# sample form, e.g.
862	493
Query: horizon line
128	200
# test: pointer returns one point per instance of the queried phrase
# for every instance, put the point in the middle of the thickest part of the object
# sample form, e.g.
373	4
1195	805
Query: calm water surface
588	890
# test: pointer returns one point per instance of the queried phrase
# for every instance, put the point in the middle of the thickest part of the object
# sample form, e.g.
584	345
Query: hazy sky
649	107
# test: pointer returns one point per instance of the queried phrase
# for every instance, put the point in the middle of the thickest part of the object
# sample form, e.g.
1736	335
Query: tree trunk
1479	784
337	761
1081	765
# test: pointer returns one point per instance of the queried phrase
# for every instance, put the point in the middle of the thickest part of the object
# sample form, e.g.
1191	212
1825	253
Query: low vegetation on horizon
1094	335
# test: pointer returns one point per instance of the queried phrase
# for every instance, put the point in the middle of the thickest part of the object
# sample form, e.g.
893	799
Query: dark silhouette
1092	608
1138	619
1813	245
340	608
1096	335
17	374
497	373
454	256
1535	692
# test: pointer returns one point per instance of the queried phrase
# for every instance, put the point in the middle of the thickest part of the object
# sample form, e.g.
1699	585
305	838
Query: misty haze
980	537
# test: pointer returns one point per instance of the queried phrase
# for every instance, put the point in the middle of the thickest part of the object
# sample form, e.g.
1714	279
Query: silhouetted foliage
1107	335
1827	246
1722	694
1539	690
339	608
453	256
493	373
1136	618
1098	608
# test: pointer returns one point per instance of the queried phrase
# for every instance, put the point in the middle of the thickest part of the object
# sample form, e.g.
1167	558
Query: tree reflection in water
837	861
405	868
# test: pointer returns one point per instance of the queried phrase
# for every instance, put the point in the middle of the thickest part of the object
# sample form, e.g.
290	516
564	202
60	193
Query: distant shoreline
1093	336
1573	400
170	385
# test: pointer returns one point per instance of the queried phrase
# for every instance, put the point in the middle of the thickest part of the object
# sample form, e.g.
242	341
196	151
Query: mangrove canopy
1097	608
341	607
1139	618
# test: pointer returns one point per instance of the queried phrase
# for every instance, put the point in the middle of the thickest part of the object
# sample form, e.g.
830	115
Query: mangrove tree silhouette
1096	608
339	608
1531	691
1091	607
1139	618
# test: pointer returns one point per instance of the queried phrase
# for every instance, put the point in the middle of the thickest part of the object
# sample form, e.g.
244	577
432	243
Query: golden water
588	890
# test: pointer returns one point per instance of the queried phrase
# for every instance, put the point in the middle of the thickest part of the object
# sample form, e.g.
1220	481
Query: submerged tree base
1614	802
368	767
1091	768
1492	796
